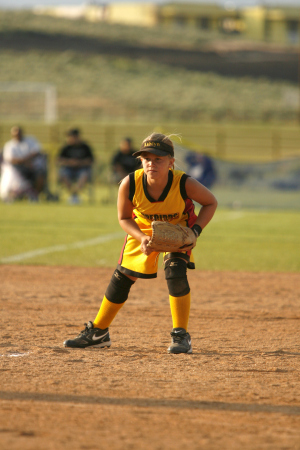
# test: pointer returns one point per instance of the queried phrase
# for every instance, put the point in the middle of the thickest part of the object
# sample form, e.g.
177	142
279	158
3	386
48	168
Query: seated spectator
23	168
75	160
123	162
201	167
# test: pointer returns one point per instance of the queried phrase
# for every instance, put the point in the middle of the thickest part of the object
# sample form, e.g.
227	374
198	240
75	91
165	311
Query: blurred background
224	75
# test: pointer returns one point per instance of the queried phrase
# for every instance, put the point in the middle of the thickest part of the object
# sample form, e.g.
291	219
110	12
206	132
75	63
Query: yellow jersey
173	206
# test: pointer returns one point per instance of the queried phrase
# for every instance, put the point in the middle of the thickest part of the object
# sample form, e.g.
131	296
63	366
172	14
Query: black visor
156	147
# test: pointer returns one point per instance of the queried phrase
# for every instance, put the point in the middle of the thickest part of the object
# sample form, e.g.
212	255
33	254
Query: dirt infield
238	390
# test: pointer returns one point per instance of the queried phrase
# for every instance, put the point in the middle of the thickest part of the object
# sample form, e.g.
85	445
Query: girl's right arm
129	225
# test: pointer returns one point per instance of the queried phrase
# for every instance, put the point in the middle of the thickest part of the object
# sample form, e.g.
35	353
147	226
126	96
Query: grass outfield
89	235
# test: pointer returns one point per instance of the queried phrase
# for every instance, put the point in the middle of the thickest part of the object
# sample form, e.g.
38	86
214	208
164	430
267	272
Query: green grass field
89	235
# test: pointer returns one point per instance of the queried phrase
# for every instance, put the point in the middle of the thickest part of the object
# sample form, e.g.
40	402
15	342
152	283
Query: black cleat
90	337
181	341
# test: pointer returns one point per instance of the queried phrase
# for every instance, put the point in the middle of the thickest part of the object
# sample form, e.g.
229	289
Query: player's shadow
152	403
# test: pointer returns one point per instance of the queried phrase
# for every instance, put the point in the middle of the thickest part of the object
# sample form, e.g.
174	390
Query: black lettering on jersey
161	217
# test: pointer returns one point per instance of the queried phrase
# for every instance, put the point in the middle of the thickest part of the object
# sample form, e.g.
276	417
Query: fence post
54	135
54	148
221	144
109	137
276	145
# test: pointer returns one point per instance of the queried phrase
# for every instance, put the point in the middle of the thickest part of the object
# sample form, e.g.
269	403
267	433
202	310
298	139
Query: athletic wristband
197	230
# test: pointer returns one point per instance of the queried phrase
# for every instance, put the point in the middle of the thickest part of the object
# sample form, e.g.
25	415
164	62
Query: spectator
123	163
75	160
201	167
23	169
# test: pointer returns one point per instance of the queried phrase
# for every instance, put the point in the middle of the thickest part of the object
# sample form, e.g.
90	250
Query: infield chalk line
62	248
16	355
90	242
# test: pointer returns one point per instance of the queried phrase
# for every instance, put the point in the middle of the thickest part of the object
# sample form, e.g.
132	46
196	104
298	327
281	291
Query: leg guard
118	288
175	274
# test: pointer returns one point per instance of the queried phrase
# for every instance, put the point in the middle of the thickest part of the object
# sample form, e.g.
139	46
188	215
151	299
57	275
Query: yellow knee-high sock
107	313
180	310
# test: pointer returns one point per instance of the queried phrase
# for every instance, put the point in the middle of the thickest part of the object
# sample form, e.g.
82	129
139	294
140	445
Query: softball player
155	192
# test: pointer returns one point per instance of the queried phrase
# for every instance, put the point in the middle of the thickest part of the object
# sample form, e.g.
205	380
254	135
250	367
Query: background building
260	23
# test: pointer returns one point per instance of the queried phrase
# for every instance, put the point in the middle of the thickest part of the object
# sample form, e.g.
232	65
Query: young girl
155	192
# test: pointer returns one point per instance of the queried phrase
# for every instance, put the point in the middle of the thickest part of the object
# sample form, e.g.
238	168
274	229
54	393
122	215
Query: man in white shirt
23	171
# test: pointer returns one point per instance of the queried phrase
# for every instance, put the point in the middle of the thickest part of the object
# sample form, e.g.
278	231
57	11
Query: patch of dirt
239	388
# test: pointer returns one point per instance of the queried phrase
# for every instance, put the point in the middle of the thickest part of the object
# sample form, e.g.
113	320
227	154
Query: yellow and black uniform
173	206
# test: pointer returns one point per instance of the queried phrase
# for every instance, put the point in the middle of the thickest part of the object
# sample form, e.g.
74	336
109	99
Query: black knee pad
118	288
175	274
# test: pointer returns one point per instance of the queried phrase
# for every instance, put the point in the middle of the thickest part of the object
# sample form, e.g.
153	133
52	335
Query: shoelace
83	332
177	337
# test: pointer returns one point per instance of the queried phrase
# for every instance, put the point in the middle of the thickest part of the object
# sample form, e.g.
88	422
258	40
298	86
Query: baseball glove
167	237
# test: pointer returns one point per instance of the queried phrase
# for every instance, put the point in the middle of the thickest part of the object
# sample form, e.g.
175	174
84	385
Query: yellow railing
244	143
